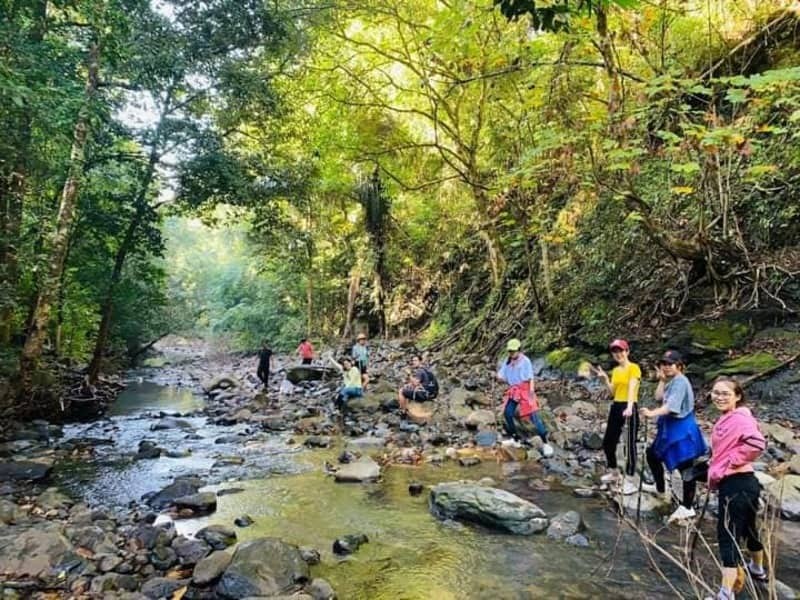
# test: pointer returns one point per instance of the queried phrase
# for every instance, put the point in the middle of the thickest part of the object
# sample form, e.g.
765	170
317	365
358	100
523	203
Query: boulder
162	587
243	521
33	551
320	589
311	373
218	537
181	487
418	413
189	551
349	543
779	433
201	503
366	444
479	419
364	469
10	513
794	464
170	423
318	441
221	382
487	506
592	441
263	567
565	525
25	470
785	493
211	567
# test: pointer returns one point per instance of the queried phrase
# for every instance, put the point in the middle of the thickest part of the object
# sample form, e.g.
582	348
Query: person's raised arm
604	377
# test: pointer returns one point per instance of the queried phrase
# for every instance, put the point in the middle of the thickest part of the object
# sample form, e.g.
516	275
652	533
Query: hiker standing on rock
517	371
360	354
679	440
735	443
265	363
352	387
624	387
306	351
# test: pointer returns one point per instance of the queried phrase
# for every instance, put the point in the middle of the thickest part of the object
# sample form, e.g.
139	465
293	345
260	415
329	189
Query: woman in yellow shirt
352	387
624	387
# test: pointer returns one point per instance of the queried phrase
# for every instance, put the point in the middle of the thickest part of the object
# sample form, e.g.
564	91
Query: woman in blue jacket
679	440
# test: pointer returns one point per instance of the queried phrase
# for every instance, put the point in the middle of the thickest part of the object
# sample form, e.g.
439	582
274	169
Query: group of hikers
736	441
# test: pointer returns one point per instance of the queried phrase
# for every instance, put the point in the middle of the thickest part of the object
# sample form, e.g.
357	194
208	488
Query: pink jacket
526	400
735	443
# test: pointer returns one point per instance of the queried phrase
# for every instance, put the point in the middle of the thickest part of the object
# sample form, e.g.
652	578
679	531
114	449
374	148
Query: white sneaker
681	514
547	450
610	477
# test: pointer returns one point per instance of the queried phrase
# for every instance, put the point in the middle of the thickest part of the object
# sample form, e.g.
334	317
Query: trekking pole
641	475
696	533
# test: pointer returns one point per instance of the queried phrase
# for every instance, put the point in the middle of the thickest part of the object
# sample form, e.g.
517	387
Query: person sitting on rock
517	371
419	386
306	351
360	355
352	387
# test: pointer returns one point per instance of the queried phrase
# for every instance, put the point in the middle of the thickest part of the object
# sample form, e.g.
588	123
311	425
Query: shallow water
410	556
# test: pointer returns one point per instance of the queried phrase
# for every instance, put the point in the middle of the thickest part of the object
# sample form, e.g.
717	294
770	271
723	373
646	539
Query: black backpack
431	385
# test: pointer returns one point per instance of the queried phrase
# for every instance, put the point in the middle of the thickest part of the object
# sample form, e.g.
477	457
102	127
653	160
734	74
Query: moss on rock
749	364
566	359
719	335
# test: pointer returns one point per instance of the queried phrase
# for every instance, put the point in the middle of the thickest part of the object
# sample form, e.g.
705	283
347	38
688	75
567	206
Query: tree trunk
34	342
12	194
352	294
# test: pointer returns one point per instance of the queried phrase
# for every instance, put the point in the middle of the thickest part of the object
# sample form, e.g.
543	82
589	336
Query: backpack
431	385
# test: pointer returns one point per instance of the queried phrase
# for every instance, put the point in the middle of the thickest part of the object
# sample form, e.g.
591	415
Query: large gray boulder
183	486
263	567
785	493
33	551
211	567
25	470
487	506
364	469
311	373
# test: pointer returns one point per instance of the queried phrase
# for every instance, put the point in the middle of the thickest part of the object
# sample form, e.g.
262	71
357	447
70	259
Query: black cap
671	357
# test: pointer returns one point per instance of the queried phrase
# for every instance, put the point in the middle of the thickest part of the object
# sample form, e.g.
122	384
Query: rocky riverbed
200	484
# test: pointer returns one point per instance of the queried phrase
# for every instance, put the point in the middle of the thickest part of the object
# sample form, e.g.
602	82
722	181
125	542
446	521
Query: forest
461	171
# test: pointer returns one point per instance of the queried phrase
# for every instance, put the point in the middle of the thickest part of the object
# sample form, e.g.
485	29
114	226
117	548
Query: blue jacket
678	440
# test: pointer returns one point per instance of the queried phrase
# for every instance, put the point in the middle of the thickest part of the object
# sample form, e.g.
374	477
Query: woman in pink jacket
735	443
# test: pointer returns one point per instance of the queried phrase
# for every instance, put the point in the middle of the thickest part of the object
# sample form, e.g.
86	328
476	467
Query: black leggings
657	468
738	505
614	428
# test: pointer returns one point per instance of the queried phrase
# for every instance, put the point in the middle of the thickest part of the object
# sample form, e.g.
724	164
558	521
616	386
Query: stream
410	554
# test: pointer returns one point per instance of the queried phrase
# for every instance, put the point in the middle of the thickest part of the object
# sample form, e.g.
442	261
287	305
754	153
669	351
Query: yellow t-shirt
619	381
352	378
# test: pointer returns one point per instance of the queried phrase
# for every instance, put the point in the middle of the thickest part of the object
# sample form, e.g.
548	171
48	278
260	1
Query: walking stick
641	477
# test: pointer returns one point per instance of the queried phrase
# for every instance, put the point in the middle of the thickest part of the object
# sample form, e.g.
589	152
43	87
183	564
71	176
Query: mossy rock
719	335
749	364
566	359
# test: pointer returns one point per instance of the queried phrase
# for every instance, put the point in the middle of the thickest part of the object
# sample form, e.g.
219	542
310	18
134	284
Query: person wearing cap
624	387
360	354
679	440
517	371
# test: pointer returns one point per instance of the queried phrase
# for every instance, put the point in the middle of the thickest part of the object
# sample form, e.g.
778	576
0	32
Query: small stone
162	587
349	543
469	461
318	441
310	555
486	438
564	525
321	590
415	488
200	503
243	521
578	539
592	441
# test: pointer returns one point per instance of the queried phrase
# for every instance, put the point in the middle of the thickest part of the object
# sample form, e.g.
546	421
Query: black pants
738	505
263	375
614	429
657	468
307	361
